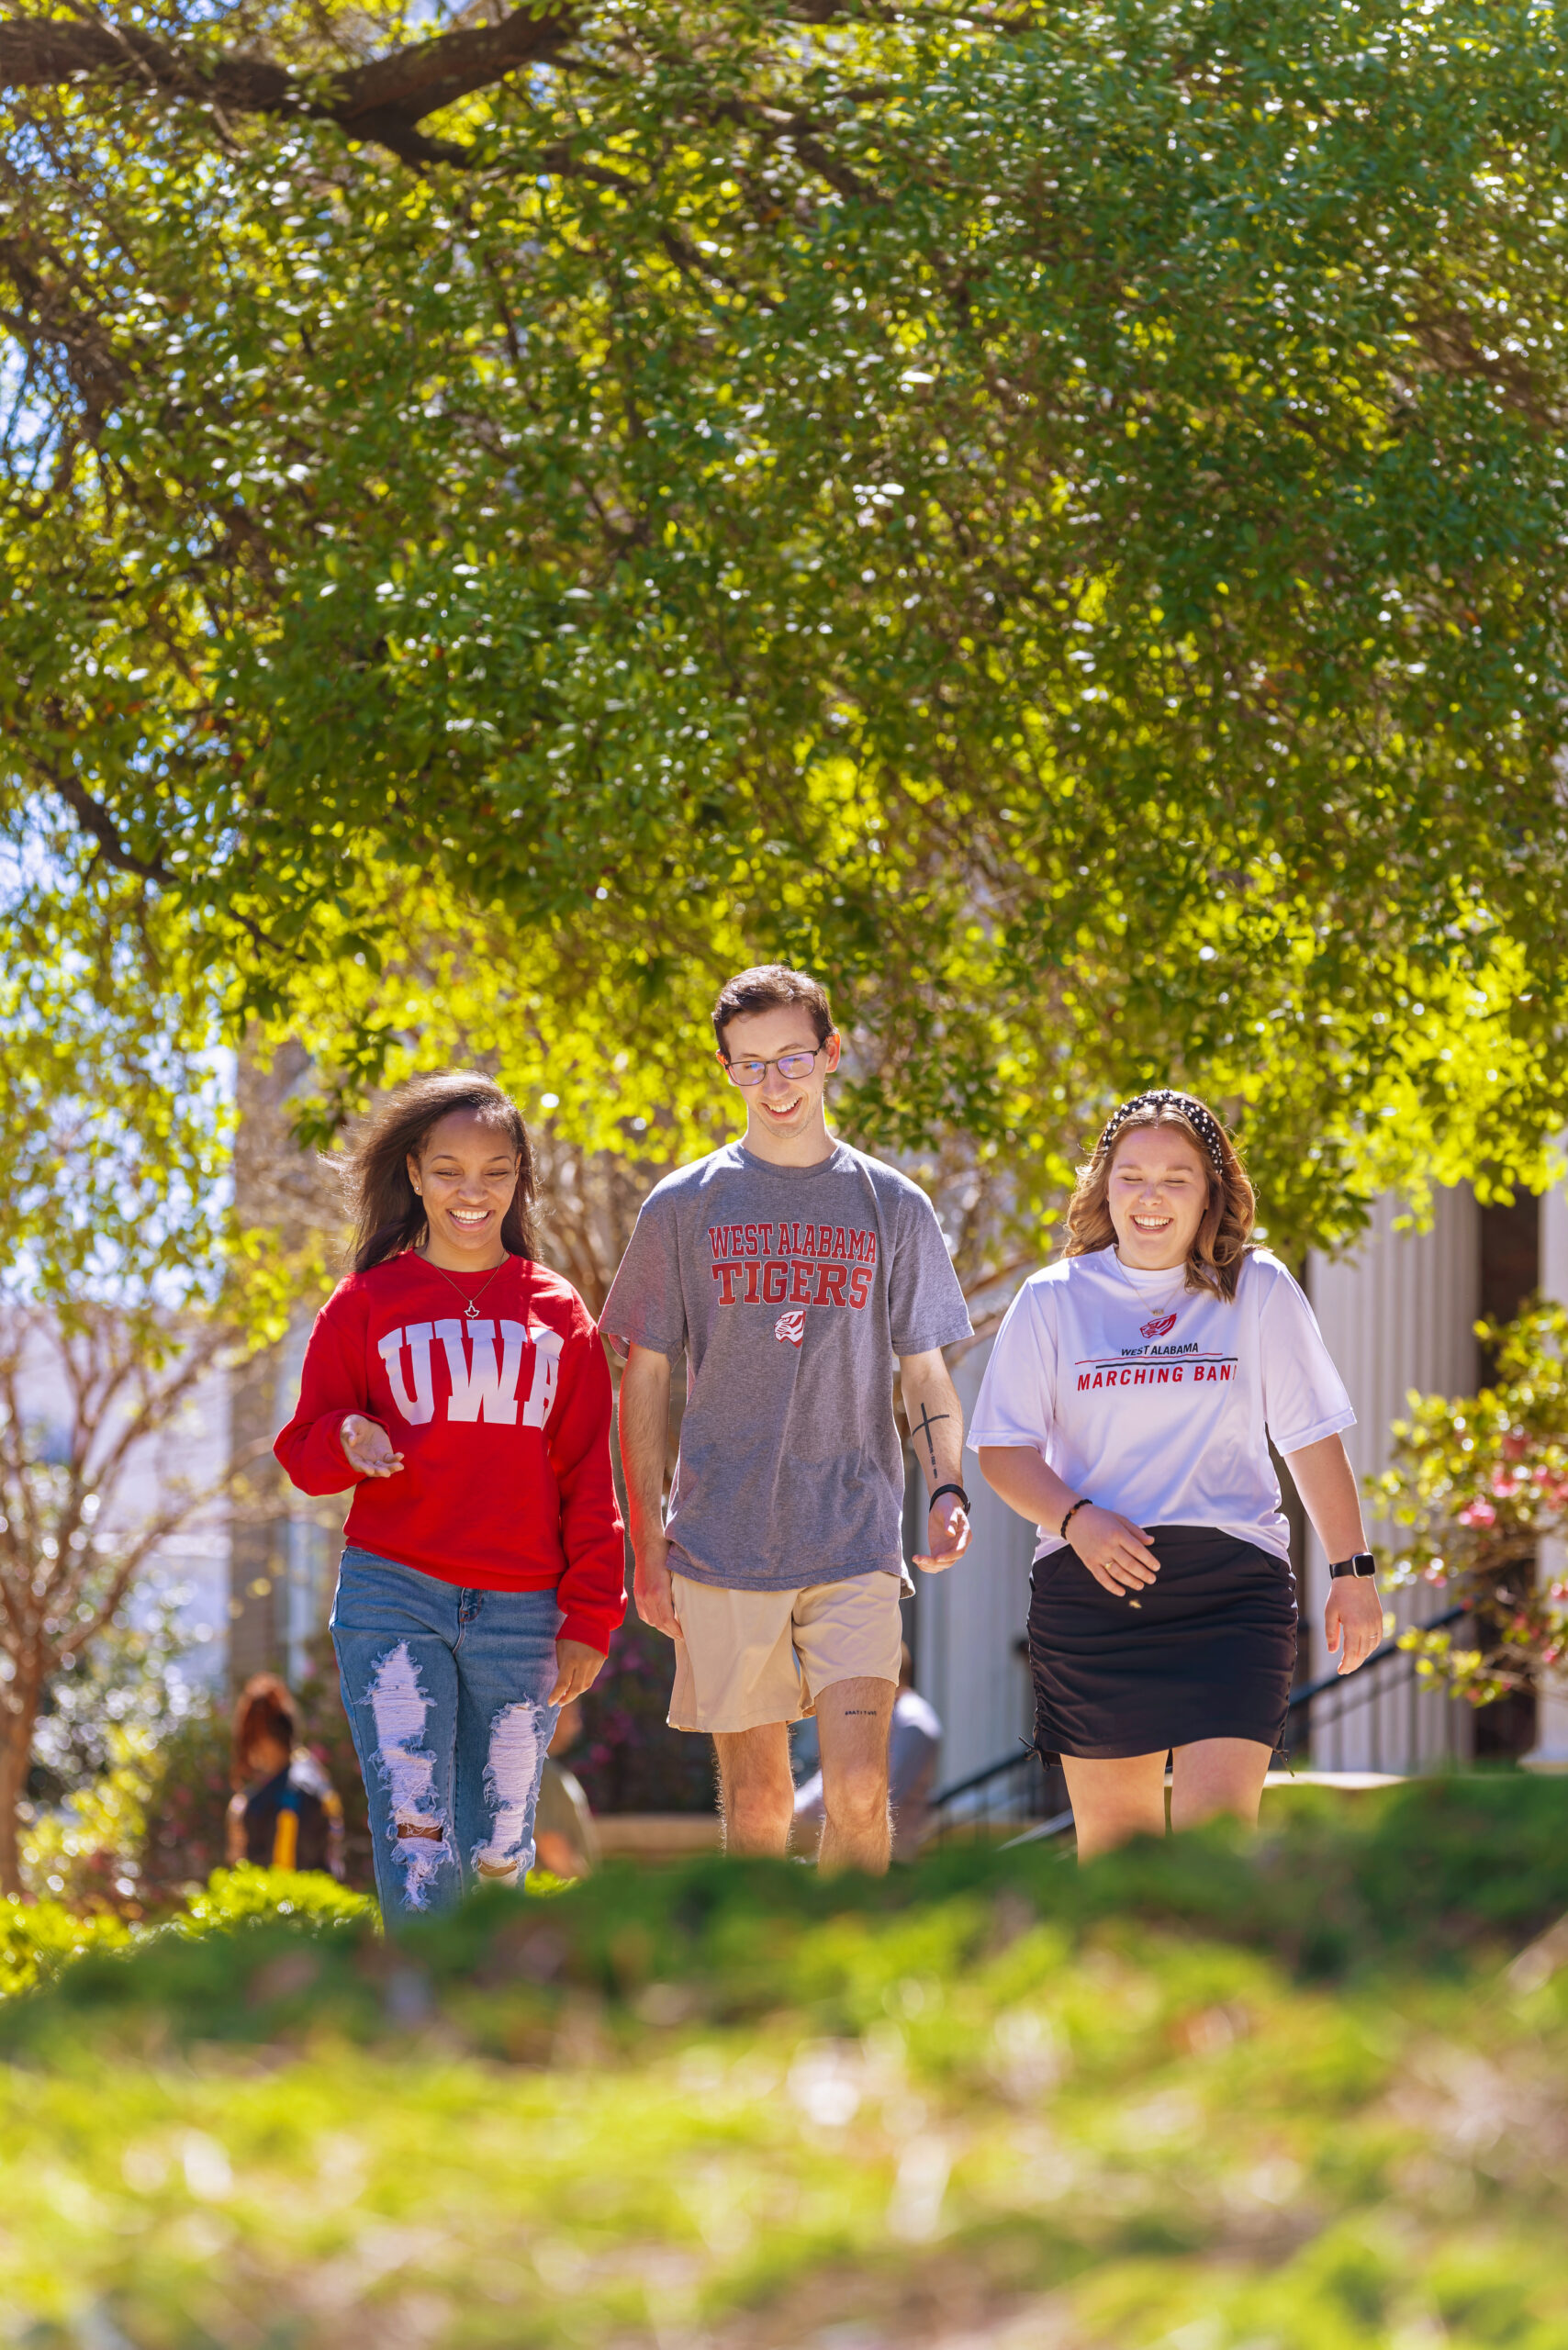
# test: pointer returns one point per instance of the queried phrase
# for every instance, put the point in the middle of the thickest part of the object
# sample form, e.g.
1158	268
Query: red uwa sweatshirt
503	1423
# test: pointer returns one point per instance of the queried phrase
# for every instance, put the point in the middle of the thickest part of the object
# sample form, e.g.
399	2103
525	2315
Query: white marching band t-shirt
1158	1401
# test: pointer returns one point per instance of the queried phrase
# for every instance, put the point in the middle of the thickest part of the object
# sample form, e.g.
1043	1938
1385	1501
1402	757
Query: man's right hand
368	1447
652	1588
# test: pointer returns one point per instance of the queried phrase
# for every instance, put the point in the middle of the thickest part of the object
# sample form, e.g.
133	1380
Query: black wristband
1362	1565
1072	1512
938	1492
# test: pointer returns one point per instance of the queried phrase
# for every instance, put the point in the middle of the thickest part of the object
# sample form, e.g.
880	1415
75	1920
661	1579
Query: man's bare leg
757	1789
852	1721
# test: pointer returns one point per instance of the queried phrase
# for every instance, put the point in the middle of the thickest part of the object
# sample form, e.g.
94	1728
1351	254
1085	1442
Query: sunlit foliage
1482	1483
1054	520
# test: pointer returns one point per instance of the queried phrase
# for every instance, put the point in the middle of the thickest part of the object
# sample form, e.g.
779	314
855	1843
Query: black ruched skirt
1209	1653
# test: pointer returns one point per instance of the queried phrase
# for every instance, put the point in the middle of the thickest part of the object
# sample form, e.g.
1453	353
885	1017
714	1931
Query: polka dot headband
1206	1127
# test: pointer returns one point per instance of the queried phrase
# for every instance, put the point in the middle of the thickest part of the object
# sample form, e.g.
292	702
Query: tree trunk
281	1189
269	1176
18	1717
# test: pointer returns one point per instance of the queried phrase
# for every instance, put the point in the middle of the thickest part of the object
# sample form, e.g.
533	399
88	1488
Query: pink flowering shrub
1480	1481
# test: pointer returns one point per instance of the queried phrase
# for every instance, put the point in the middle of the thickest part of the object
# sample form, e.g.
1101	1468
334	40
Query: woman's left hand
1353	1621
577	1669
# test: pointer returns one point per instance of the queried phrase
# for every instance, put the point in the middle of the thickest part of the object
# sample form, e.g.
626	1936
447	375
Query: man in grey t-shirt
789	1270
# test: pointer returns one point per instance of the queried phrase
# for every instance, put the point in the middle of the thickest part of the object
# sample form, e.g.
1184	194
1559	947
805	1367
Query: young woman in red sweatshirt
460	1387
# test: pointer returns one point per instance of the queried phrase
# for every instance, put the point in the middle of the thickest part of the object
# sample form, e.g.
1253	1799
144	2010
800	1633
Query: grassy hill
1291	2095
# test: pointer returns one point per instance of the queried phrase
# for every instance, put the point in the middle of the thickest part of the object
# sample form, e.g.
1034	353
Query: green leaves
1244	2090
114	1123
1483	1481
1057	529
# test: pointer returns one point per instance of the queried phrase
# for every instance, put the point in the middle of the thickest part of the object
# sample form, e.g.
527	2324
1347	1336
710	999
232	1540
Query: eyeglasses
787	1064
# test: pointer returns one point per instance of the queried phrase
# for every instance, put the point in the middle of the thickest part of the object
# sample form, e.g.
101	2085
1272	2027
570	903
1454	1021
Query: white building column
971	1620
1398	1314
1550	1751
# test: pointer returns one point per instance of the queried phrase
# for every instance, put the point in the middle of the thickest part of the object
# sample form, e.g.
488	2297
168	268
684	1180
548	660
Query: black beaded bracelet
938	1492
1072	1512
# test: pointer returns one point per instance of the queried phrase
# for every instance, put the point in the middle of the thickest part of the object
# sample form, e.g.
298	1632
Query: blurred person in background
914	1741
286	1813
565	1840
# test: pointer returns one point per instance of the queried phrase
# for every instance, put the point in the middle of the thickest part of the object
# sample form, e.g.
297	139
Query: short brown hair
770	987
389	1215
1225	1236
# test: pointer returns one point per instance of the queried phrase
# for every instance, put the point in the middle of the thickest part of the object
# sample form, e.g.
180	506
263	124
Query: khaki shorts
746	1658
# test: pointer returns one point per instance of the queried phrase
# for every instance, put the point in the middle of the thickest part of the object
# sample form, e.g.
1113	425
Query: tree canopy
1051	515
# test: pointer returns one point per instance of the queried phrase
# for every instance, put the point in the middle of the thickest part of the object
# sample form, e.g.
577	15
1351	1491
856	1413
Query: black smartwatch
1363	1563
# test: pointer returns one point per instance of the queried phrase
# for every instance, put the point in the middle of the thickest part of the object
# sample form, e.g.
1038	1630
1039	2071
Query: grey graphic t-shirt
788	1289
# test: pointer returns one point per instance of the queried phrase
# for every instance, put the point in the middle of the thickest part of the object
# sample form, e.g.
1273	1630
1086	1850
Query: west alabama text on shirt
792	1263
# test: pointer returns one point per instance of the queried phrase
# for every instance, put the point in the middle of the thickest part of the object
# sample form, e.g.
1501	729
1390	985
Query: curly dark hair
388	1213
1225	1236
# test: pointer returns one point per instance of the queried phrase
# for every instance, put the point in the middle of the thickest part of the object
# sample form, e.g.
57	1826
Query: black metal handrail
974	1804
982	1778
1364	1708
1353	1690
1379	1655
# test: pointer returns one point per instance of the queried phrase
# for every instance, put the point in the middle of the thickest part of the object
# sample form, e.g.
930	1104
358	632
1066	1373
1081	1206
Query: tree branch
55	315
383	101
95	820
98	820
774	124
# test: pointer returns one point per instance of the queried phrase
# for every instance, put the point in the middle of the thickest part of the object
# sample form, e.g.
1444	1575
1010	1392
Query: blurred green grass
1204	2096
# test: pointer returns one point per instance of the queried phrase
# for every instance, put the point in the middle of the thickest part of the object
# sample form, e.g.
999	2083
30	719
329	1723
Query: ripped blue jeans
445	1693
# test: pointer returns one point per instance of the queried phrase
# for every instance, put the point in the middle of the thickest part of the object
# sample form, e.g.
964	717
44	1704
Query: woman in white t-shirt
1128	1407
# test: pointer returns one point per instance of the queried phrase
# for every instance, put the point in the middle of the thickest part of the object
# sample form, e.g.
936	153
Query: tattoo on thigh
865	1713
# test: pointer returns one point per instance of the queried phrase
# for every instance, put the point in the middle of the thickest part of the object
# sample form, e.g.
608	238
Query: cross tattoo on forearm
926	1422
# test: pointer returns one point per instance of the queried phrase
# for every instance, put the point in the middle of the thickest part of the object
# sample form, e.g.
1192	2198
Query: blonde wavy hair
1225	1234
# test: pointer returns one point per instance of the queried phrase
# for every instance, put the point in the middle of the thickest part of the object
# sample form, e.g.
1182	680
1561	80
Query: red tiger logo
1159	1327
791	1327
